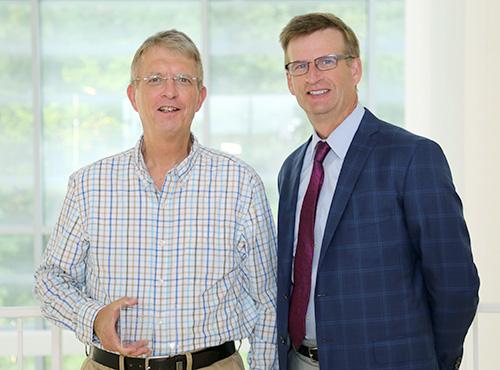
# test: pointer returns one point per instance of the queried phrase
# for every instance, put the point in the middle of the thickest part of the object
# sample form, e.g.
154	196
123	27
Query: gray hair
172	40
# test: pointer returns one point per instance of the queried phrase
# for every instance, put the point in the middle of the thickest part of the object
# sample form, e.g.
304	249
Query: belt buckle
179	364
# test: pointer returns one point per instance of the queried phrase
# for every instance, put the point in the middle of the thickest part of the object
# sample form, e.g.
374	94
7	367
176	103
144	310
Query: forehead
316	44
160	59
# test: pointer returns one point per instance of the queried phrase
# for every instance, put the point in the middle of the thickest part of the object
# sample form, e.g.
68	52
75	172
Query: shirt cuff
85	322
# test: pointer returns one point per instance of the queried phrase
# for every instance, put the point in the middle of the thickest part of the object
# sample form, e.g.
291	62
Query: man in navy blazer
392	282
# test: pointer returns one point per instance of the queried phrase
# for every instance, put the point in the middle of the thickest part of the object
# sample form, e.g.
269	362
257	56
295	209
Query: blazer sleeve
434	216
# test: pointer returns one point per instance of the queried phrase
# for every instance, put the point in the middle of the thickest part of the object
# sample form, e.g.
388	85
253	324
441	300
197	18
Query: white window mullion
56	335
37	129
205	52
370	53
20	342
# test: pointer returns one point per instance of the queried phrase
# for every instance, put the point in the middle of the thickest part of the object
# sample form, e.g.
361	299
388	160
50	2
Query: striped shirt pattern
199	255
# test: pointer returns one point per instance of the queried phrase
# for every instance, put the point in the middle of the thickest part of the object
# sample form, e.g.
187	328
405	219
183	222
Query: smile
318	92
168	108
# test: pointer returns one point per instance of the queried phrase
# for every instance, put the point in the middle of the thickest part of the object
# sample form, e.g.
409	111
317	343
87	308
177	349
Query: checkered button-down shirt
199	255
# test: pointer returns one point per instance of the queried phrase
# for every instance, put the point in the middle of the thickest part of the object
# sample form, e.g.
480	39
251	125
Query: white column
482	145
482	160
452	96
434	75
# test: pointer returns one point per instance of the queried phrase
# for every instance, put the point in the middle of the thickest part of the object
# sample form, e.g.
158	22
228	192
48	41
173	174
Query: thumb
126	302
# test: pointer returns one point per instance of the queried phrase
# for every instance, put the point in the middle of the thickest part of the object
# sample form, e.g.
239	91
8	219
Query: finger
113	341
104	325
126	301
144	351
136	348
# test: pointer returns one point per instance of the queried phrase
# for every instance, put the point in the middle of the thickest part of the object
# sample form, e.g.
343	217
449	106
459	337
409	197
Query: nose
169	88
313	74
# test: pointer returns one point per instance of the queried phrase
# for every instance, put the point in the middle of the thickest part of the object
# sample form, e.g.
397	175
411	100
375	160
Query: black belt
310	352
203	358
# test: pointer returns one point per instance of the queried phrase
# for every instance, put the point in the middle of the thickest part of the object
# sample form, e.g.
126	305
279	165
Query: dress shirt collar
179	171
340	139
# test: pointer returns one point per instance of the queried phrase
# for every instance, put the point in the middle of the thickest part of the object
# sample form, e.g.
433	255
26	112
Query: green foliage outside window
86	48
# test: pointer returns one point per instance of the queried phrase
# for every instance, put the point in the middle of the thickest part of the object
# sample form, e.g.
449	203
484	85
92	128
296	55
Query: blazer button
282	339
285	297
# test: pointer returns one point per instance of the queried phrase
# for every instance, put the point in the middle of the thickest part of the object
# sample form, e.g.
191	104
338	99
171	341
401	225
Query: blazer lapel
362	144
289	187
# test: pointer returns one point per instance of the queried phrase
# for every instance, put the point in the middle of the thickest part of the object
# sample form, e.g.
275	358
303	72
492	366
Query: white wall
453	97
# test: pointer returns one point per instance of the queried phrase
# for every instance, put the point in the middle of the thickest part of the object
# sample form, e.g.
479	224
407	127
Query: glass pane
252	114
389	51
37	345
87	115
16	119
16	270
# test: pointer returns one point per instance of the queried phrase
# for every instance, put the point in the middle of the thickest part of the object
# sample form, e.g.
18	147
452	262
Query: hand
105	329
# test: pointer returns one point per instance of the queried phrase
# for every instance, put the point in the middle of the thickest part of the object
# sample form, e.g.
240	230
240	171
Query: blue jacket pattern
397	288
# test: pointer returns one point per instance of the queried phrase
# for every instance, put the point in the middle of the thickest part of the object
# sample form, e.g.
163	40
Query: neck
161	154
325	124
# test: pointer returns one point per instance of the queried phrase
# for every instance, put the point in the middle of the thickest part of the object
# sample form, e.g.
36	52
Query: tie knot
322	149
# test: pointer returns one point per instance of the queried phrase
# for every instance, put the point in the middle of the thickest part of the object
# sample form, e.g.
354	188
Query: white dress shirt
339	141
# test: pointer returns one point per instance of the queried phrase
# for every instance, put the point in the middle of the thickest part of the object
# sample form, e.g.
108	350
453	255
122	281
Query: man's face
324	95
166	110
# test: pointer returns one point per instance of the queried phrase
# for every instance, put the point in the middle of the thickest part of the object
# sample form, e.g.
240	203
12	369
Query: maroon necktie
305	250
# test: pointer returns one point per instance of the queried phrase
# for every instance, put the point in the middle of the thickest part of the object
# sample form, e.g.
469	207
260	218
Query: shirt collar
340	139
179	171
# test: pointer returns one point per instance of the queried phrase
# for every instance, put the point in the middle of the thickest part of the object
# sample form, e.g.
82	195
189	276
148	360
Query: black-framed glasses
324	63
180	79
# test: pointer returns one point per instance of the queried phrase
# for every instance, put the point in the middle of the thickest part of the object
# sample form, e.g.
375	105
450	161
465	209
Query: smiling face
166	110
327	97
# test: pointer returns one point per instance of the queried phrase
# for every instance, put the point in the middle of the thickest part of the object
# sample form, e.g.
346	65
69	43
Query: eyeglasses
180	79
324	63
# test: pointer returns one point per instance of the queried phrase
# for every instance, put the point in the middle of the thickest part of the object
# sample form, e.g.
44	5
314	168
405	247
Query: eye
328	61
154	80
183	80
299	66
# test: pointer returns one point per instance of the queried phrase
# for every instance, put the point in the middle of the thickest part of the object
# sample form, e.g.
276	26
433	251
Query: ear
131	96
290	83
201	97
356	70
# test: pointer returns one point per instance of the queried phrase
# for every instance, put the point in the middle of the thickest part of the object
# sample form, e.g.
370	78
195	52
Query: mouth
168	109
318	92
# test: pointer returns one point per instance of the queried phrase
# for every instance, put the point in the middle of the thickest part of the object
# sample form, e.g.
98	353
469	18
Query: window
64	71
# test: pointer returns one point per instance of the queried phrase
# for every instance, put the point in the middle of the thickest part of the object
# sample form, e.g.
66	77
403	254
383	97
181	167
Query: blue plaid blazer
397	287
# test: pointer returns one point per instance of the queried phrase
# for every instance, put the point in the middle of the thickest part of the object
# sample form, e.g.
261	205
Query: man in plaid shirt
164	254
